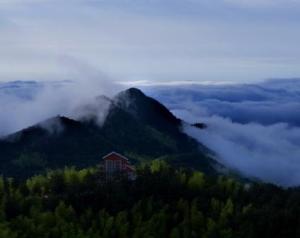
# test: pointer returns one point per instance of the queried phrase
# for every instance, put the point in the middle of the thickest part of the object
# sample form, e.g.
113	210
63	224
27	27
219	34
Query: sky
150	40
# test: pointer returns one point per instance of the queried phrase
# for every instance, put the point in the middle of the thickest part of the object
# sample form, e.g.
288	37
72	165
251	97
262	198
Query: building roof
115	154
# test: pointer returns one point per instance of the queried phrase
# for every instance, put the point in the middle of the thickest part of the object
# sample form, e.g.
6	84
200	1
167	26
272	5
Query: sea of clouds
252	128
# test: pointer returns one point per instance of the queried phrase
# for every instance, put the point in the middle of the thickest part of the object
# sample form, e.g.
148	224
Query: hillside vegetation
161	202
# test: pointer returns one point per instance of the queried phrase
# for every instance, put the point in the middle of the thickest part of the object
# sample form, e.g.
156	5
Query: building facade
116	164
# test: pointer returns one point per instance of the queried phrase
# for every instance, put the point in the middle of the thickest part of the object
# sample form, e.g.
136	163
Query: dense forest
161	202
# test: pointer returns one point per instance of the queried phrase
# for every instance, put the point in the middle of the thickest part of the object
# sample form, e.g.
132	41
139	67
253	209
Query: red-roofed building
115	164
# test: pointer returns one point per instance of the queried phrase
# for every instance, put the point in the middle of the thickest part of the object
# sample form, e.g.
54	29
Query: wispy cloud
26	103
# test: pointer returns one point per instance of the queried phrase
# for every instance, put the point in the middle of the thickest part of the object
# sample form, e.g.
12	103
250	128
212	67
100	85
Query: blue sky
150	40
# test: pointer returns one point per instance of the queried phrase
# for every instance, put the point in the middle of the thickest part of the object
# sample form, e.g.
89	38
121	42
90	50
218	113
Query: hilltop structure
117	164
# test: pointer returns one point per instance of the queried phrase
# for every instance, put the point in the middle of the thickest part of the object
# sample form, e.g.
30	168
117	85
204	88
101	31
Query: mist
268	153
25	103
253	129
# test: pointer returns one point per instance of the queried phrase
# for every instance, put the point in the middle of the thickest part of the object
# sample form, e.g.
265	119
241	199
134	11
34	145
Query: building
116	164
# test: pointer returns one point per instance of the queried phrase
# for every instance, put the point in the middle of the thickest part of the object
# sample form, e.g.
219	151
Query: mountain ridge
136	125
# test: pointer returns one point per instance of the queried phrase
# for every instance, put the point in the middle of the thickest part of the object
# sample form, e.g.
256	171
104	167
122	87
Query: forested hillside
161	202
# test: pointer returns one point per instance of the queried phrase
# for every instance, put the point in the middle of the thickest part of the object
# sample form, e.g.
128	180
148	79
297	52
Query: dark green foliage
161	202
30	161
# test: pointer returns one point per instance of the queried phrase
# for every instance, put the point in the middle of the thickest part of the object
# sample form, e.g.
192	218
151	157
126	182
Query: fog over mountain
24	103
254	129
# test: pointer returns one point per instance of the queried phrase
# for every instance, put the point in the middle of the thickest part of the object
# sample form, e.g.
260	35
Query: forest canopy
161	202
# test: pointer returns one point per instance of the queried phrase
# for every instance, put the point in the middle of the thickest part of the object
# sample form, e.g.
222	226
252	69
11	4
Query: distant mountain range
136	125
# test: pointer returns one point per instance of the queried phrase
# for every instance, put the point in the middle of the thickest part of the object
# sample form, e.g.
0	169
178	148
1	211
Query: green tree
196	181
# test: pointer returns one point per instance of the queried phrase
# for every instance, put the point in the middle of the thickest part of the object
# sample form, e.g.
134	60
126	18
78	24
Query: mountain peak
134	92
146	109
130	94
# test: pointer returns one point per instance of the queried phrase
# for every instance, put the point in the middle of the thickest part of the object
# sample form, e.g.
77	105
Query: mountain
147	109
136	125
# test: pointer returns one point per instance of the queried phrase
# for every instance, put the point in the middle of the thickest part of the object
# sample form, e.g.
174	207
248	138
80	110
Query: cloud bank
253	129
